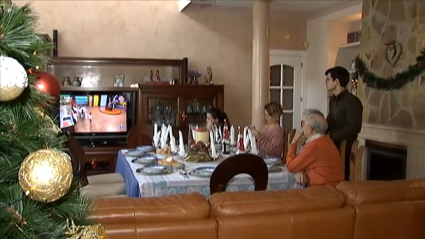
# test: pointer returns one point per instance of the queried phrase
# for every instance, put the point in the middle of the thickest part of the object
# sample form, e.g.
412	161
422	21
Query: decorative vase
76	82
66	81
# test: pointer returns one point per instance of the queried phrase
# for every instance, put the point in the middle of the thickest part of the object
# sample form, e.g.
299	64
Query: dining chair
250	164
139	135
341	149
103	185
354	148
288	135
358	162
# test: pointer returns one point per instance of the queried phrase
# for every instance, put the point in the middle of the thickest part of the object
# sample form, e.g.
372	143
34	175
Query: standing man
345	112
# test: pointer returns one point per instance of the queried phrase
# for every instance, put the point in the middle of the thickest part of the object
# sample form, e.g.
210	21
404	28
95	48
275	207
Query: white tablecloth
175	183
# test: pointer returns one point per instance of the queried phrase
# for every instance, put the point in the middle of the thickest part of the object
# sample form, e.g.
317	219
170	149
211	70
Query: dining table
141	185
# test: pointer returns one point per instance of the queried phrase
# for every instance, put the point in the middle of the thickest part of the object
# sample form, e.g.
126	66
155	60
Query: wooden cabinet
178	105
100	160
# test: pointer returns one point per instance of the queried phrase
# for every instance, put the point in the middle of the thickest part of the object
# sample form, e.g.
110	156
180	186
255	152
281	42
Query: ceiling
307	7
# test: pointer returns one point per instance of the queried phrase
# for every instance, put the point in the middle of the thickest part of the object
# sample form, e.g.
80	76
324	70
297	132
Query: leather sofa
352	210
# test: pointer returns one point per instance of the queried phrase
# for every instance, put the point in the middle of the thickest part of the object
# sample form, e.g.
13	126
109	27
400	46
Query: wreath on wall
395	82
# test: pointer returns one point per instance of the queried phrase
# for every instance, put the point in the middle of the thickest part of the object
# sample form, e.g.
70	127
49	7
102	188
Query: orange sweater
320	159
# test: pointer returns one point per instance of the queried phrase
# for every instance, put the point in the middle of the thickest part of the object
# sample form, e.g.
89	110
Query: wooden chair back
354	148
139	135
78	159
358	161
288	135
249	164
341	149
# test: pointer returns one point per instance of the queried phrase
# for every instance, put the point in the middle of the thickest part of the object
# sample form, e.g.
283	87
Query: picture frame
119	80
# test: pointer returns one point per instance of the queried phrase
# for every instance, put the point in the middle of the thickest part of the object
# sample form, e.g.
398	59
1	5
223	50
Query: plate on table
154	170
204	172
272	161
145	159
134	153
146	148
275	169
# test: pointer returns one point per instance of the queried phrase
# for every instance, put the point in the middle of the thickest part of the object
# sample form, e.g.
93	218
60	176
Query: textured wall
404	22
156	29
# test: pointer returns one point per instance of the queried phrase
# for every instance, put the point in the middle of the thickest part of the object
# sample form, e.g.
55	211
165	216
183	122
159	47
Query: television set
97	115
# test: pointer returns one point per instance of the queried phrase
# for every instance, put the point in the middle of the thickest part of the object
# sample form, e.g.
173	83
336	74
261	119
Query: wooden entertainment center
163	96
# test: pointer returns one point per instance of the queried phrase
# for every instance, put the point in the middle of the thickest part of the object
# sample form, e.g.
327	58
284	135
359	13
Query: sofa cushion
275	202
373	192
103	190
106	178
326	224
178	207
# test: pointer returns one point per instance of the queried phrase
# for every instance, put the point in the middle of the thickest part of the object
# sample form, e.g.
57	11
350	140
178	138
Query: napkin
164	136
156	135
182	151
193	132
253	141
173	145
245	138
216	134
214	154
232	136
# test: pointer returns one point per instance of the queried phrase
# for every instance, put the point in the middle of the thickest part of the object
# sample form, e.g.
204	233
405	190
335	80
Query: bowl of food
170	162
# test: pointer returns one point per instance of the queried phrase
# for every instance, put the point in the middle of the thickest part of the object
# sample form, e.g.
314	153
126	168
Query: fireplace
385	161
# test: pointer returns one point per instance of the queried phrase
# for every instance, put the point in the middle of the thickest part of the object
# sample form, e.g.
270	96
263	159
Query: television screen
94	113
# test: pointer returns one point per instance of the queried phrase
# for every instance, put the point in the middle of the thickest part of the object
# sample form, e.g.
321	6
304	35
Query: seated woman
216	117
270	138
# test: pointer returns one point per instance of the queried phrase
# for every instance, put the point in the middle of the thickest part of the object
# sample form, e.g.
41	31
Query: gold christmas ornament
86	232
45	175
13	79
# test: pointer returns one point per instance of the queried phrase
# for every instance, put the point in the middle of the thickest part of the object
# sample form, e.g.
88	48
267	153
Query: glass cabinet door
195	109
162	110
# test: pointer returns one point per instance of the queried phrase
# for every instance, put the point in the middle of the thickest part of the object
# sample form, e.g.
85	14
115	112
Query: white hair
319	126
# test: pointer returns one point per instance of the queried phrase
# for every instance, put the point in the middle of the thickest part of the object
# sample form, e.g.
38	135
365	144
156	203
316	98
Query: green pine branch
24	130
19	40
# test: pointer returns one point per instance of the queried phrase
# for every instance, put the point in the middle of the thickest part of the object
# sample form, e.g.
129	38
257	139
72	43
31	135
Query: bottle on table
225	143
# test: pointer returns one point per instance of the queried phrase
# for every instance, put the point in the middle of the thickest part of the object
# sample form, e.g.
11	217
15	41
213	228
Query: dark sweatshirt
345	117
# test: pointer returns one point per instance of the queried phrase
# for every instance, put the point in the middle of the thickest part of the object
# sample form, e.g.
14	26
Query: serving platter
275	169
203	172
145	159
134	153
146	148
272	160
151	170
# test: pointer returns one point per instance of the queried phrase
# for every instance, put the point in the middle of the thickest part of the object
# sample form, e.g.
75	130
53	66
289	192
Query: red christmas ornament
48	83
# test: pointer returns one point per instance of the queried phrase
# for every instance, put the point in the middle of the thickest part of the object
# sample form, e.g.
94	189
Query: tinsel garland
390	83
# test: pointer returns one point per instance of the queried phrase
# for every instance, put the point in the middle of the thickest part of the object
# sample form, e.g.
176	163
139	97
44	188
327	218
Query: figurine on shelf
158	78
151	76
193	77
208	78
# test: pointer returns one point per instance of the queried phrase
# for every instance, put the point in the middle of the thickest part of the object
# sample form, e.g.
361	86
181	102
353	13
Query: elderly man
319	157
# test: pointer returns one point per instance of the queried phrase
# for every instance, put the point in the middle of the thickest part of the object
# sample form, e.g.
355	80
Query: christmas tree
39	197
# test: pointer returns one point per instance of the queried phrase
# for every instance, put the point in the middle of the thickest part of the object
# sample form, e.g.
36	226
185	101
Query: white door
286	81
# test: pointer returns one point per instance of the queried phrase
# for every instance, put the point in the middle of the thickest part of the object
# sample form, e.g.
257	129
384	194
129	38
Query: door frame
303	56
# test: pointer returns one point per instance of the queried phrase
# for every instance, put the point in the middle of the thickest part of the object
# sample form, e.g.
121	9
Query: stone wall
403	22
